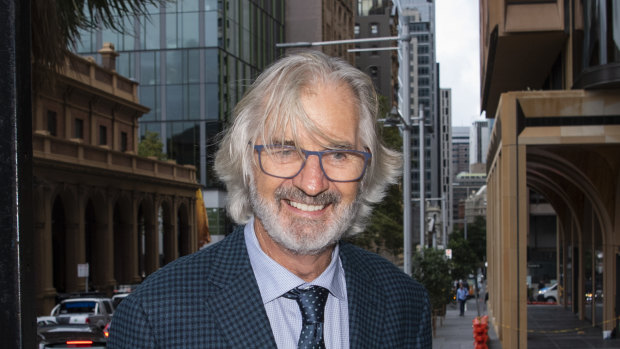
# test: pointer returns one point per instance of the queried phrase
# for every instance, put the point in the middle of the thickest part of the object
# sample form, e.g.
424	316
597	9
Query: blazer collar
365	299
237	304
235	301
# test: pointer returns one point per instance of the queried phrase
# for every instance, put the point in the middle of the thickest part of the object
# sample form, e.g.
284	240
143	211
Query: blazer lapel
365	299
236	302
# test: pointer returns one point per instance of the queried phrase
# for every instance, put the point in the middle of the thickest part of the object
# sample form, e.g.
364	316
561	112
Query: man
302	164
461	296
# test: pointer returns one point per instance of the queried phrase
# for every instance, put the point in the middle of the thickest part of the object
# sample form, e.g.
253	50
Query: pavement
456	332
553	326
549	326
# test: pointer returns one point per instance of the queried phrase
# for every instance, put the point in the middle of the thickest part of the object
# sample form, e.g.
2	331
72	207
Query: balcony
520	42
76	155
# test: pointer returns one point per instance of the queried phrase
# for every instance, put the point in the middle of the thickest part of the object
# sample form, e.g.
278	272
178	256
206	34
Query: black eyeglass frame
367	156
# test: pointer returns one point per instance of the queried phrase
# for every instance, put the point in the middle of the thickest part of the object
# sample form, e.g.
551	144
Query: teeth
305	207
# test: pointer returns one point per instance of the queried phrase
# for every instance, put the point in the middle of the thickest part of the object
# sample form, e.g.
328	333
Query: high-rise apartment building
323	20
445	113
374	18
460	166
460	150
194	59
419	17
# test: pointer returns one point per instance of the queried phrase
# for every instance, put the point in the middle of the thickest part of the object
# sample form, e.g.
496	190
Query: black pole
17	314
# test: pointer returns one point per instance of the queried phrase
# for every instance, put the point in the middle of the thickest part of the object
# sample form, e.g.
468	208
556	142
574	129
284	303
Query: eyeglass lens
287	162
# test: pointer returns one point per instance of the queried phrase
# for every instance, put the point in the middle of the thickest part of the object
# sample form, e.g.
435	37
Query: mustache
298	195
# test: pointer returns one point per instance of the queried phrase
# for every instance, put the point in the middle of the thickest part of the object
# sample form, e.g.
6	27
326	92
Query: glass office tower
194	60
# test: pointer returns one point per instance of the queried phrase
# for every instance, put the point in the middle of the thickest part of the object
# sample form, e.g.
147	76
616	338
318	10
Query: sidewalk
456	332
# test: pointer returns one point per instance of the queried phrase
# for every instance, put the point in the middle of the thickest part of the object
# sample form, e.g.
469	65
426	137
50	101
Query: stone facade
550	80
95	200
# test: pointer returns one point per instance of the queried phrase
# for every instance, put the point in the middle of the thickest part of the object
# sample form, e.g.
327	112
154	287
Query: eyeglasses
285	161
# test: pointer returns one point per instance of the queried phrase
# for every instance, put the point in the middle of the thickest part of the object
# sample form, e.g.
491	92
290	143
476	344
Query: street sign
83	270
449	253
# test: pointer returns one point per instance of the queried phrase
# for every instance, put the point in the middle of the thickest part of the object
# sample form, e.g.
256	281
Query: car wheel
550	300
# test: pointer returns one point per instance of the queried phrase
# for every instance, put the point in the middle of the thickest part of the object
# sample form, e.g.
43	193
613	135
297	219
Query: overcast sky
458	53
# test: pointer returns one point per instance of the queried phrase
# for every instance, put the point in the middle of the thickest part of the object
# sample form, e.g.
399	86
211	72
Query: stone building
551	80
95	200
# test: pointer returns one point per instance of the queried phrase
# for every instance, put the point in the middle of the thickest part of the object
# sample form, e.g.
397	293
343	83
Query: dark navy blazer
210	299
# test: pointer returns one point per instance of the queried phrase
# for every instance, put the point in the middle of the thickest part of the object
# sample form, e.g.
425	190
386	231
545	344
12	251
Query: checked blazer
210	299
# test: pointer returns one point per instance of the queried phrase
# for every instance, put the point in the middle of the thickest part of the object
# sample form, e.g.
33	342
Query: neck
306	267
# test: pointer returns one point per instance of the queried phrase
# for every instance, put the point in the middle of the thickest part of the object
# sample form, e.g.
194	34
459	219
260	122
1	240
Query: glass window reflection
174	67
174	102
190	29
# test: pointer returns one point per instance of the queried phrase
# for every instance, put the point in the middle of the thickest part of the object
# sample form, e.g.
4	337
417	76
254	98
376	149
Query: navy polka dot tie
311	302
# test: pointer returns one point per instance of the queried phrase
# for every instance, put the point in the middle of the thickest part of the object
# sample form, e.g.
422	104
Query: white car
46	320
548	294
96	311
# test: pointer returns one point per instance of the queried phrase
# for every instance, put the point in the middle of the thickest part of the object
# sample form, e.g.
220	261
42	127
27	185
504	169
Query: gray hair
273	104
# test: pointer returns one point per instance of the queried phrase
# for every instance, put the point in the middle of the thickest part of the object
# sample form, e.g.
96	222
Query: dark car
71	336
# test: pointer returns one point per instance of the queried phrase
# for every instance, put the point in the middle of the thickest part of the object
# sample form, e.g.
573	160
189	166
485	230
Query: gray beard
300	235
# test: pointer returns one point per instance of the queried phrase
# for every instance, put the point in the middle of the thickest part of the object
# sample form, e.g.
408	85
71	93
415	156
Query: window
51	122
123	141
103	135
374	29
356	29
78	128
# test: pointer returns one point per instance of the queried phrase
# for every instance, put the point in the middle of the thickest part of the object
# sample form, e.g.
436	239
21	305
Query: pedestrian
461	297
303	164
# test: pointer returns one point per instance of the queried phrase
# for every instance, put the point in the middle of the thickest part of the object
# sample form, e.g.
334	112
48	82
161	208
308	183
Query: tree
385	229
468	255
151	145
56	25
433	270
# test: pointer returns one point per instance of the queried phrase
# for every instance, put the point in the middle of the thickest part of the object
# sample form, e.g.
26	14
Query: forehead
327	113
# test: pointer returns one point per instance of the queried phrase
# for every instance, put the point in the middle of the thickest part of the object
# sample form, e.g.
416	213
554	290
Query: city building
479	145
194	59
464	185
551	80
445	113
375	18
95	201
460	165
419	17
460	149
323	20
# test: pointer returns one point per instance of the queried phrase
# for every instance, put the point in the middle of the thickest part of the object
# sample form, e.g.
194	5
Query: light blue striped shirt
284	315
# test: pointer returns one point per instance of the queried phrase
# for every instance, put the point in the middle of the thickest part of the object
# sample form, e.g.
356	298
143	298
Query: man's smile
306	207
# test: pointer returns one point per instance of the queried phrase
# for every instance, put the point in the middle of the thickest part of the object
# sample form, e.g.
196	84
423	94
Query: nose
311	179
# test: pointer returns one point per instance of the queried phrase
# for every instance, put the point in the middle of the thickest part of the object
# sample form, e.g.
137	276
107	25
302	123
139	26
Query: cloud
458	52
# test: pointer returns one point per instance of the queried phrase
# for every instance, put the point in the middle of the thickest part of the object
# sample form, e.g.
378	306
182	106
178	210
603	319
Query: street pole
421	176
404	98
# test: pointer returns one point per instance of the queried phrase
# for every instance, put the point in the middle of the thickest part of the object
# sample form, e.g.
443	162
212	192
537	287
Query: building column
105	241
191	226
43	260
75	254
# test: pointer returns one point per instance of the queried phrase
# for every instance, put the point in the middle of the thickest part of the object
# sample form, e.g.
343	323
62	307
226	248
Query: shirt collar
274	280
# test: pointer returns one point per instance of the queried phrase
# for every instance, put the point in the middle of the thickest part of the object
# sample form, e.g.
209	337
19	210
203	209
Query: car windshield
77	307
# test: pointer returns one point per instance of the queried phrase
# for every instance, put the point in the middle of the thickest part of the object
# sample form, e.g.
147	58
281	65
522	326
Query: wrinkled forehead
291	123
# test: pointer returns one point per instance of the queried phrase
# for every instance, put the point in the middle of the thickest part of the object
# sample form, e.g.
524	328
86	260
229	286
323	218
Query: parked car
71	336
96	311
46	320
117	298
548	294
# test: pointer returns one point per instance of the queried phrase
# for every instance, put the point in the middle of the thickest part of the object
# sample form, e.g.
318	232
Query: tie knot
311	302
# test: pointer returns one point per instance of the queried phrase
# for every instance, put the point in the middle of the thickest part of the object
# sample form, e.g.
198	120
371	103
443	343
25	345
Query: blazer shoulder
209	264
378	269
